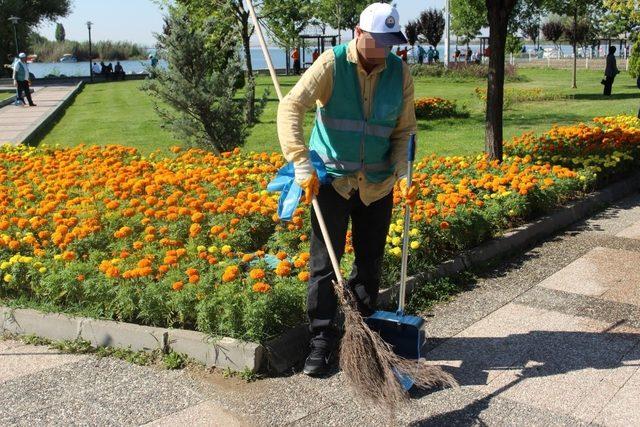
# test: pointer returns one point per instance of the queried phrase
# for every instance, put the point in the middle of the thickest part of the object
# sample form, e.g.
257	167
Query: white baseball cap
22	55
382	21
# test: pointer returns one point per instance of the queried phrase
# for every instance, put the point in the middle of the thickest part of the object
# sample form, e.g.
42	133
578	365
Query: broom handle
265	51
411	155
314	201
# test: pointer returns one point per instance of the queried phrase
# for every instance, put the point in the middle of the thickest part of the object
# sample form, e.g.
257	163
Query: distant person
315	55
430	55
103	68
404	54
436	55
110	71
21	79
154	61
96	68
295	55
456	55
118	72
469	56
610	72
421	54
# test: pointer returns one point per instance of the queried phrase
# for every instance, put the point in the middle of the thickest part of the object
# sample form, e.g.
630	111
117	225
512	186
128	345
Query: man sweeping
365	113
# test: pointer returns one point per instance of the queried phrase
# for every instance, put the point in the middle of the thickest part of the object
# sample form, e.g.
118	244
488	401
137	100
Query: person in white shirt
22	79
96	68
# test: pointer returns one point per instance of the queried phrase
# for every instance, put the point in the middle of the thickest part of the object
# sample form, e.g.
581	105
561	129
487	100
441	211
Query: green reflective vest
347	141
21	71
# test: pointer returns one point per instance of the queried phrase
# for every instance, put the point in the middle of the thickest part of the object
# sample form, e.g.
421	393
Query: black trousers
608	84
369	227
23	86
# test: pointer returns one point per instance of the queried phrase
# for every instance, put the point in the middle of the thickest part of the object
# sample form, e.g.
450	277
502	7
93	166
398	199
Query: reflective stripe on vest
353	126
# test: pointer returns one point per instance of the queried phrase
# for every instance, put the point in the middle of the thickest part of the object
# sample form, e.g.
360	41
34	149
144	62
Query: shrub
515	95
437	108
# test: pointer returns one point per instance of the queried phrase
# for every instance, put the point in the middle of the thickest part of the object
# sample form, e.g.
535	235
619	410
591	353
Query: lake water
278	57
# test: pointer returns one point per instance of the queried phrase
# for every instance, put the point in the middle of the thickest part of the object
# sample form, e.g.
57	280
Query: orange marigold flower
177	286
230	273
197	217
444	225
194	278
303	276
281	255
80	277
283	269
261	287
68	256
257	274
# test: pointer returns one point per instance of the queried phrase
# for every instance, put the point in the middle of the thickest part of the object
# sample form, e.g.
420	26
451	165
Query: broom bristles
368	361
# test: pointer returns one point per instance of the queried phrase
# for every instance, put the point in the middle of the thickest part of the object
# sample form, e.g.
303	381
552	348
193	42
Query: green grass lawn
119	113
5	95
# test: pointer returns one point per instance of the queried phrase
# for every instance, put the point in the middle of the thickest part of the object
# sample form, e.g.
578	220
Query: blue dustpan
404	333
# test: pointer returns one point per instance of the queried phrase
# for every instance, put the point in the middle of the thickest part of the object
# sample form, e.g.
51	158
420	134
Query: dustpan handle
276	84
411	155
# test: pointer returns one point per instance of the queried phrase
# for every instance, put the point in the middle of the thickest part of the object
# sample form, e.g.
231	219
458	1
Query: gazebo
320	41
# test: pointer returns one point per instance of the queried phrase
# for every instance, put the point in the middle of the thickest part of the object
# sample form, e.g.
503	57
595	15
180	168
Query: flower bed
517	95
437	108
192	240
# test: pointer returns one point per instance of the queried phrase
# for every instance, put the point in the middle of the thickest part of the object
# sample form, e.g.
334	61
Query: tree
579	34
575	9
553	31
526	17
513	44
628	7
467	18
286	19
60	33
634	60
499	13
431	26
340	14
411	31
203	10
195	95
31	13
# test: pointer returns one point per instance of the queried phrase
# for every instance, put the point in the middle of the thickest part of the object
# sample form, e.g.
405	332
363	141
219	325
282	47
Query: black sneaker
320	357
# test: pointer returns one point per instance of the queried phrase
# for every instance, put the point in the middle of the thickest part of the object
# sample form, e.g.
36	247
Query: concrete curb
521	238
223	353
8	101
40	127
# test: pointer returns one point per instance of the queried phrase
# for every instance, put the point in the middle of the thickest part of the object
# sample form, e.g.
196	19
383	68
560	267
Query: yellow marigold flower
8	278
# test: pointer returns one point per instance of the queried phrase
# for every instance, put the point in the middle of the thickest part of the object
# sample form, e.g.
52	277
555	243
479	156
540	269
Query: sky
137	20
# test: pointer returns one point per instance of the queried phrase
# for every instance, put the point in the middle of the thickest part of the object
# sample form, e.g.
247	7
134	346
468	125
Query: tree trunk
498	12
574	84
251	99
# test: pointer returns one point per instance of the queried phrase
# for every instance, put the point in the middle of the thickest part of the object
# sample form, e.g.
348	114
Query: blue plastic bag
290	191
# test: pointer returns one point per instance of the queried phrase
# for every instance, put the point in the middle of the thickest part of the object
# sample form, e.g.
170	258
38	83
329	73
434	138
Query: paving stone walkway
551	337
17	122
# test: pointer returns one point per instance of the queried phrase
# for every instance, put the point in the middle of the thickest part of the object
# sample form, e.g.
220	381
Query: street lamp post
14	20
89	24
447	32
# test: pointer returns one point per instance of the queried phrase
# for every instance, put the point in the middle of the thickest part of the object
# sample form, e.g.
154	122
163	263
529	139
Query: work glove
409	195
307	178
